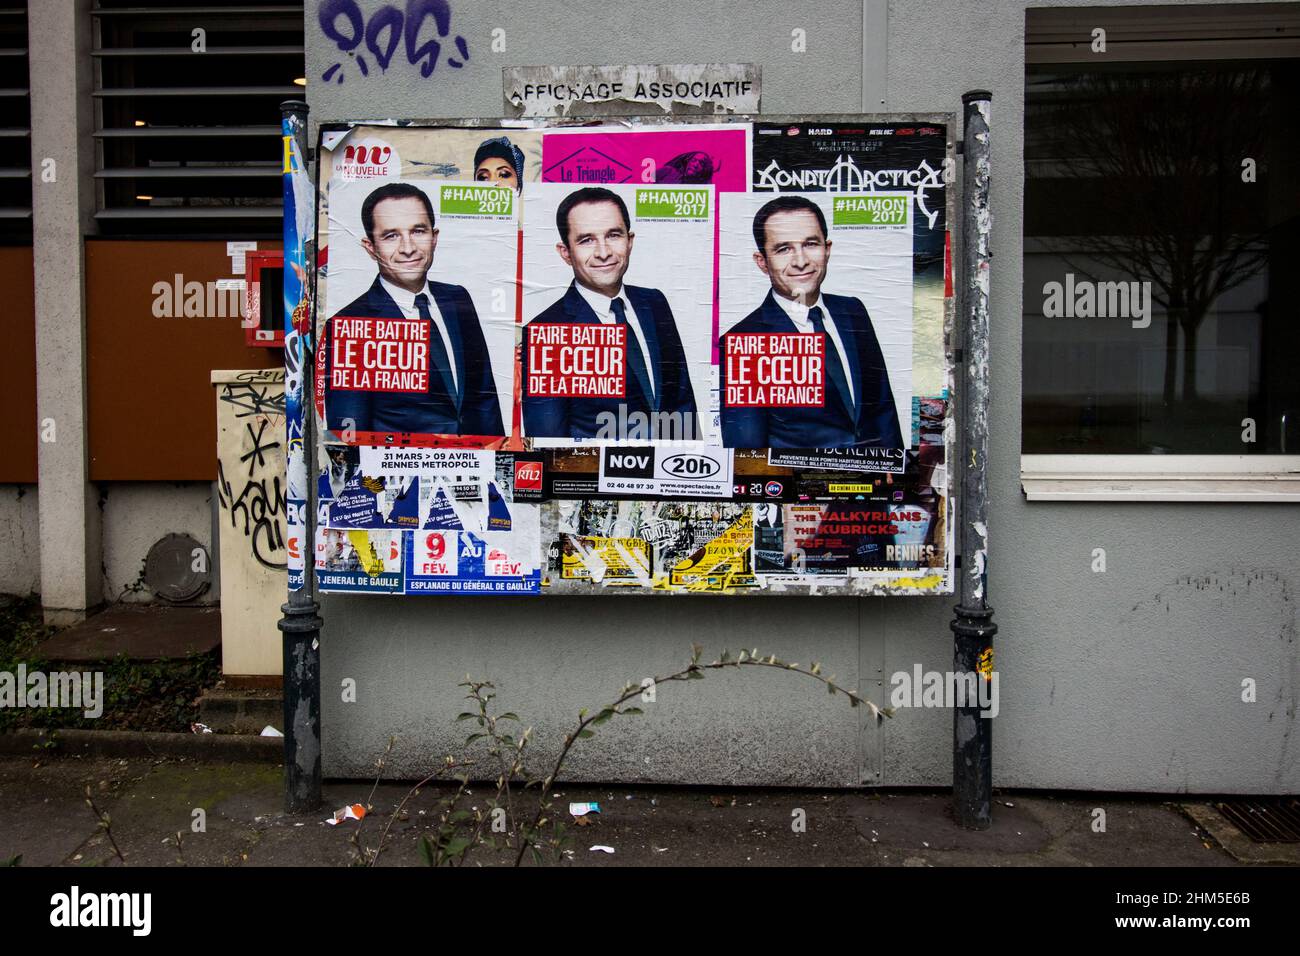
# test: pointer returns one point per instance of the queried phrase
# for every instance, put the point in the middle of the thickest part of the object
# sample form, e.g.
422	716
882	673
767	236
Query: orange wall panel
151	415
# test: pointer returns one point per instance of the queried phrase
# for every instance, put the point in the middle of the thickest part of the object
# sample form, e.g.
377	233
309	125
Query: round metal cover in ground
170	569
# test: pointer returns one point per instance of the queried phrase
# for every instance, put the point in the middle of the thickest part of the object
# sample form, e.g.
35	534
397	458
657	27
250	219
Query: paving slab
143	632
149	800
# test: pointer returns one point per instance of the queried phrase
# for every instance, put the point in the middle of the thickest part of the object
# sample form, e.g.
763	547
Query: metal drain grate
1275	820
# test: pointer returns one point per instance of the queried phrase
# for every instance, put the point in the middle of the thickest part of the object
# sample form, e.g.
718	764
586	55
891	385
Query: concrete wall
20	540
1127	680
135	515
62	203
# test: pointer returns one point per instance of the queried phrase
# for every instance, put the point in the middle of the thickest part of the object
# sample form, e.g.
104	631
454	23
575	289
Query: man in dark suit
596	242
461	398
793	251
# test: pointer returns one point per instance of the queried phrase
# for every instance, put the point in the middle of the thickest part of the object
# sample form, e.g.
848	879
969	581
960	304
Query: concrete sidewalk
44	818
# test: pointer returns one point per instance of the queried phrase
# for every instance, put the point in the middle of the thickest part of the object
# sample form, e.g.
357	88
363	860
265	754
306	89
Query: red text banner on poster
379	355
577	361
775	369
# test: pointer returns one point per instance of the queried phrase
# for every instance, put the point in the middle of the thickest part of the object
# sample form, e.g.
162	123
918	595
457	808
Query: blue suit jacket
577	417
873	423
435	412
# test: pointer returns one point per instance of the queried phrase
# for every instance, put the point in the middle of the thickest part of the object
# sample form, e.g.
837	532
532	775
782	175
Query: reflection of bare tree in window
1152	158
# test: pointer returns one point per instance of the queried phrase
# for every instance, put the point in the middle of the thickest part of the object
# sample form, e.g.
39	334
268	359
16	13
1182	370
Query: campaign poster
405	488
443	561
816	321
443	519
357	560
881	157
506	157
418	339
617	312
689	155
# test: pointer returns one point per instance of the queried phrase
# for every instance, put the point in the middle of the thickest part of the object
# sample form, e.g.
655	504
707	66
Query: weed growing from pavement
498	751
105	824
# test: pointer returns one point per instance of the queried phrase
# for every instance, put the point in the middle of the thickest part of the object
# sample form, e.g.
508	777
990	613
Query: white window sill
1236	478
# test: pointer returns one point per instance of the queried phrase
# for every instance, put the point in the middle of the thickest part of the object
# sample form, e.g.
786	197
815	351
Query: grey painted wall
1126	680
827	79
20	540
138	513
133	515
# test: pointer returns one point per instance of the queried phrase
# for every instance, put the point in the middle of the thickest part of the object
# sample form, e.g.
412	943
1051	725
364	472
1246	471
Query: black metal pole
300	620
973	627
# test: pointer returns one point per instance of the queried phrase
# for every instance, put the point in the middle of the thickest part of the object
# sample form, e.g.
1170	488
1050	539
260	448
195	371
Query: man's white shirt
799	316
603	306
406	302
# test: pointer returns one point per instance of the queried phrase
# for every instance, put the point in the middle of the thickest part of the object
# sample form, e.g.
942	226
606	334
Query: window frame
1155	33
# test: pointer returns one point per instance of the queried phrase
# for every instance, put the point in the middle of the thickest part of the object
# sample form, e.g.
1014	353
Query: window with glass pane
1162	249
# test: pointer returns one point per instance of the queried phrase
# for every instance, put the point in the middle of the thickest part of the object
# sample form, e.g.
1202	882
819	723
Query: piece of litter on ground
1007	803
582	809
269	731
198	728
300	824
924	844
603	849
660	849
353	812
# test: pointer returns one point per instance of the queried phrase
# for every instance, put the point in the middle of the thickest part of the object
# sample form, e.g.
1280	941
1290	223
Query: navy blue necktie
635	357
437	350
834	367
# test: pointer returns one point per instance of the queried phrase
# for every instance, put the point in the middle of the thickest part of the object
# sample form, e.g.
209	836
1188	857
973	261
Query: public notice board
646	358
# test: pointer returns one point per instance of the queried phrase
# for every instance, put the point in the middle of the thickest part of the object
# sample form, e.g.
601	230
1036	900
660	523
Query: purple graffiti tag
464	52
343	22
385	18
417	11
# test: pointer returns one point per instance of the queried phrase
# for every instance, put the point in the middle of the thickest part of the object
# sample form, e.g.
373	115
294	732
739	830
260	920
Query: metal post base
972	733
301	624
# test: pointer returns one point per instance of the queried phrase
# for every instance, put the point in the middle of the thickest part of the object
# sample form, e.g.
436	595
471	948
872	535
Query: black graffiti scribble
343	22
260	375
253	400
256	458
260	505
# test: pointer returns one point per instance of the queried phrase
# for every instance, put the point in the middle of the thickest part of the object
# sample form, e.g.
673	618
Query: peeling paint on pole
300	622
973	627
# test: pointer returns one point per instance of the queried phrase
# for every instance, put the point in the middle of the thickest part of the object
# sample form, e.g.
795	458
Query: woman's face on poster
496	171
